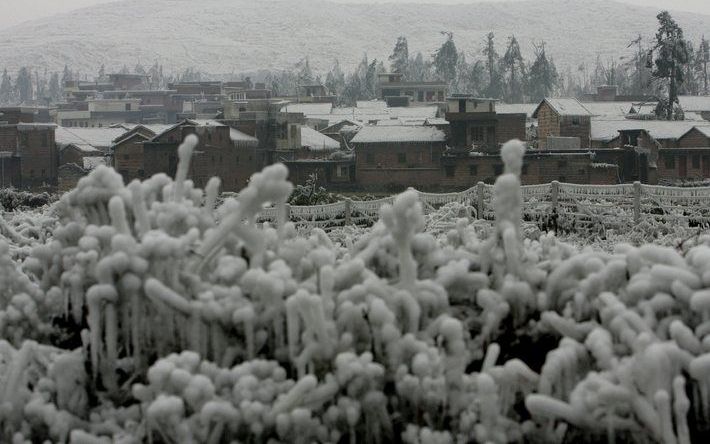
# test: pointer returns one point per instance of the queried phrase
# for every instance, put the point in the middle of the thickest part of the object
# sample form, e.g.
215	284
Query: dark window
294	131
450	170
696	161
563	178
370	158
524	171
478	134
126	157
497	170
128	106
581	171
420	96
402	157
561	164
473	170
44	172
45	139
237	159
575	120
32	173
141	173
462	105
669	162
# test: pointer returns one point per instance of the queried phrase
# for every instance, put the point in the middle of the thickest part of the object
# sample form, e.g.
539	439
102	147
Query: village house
222	151
566	118
102	113
28	154
475	124
394	158
393	85
128	82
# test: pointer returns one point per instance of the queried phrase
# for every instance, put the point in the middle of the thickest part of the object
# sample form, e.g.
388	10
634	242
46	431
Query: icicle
211	194
185	151
681	406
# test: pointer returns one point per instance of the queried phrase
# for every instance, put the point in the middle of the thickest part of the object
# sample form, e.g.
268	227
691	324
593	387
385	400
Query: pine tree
5	88
418	68
66	75
102	74
335	80
23	85
543	78
495	86
702	57
690	84
671	53
399	60
305	74
55	90
446	58
514	66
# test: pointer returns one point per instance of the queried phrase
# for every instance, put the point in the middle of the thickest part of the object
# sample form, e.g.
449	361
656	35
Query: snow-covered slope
232	36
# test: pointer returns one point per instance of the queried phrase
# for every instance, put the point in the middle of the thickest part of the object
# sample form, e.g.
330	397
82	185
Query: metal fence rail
603	206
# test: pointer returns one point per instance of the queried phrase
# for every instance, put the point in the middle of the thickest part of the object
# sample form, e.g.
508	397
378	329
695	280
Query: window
32	173
342	171
128	106
44	172
141	173
561	164
575	120
669	162
473	170
420	96
450	170
581	172
237	159
402	158
45	139
126	157
497	170
524	171
370	158
696	161
462	105
563	179
294	132
478	134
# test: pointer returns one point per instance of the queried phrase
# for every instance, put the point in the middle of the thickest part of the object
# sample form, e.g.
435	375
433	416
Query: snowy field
142	313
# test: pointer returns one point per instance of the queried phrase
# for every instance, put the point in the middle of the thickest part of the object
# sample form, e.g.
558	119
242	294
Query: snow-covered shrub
182	322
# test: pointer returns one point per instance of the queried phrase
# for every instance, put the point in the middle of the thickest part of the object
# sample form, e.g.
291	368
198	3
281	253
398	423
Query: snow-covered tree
54	88
399	60
543	77
671	53
495	83
5	88
23	85
514	68
335	80
446	58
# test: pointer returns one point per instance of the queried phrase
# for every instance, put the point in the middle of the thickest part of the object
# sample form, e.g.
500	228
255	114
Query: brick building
393	85
29	157
398	157
562	118
223	152
475	124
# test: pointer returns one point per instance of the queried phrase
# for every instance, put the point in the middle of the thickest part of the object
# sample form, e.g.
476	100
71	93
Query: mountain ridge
243	35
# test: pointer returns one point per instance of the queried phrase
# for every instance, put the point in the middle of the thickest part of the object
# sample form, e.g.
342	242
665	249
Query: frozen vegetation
144	313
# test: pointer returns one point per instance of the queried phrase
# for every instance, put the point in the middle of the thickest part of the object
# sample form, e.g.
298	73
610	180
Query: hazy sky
17	11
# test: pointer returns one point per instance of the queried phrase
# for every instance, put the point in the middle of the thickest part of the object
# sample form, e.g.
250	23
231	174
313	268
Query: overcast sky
17	11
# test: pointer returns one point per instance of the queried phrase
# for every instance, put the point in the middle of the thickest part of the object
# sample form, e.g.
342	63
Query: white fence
569	205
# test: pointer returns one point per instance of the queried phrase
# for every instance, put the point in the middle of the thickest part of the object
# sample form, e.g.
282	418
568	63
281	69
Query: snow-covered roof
565	107
308	109
609	109
83	147
396	134
695	103
516	108
99	138
606	130
92	162
317	141
237	136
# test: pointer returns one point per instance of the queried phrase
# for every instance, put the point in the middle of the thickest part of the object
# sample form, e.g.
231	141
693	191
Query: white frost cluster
174	321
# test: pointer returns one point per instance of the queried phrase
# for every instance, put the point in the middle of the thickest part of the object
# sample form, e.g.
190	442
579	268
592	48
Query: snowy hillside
223	37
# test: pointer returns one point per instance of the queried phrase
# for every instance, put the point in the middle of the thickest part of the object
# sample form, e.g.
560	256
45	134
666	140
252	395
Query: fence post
287	213
348	211
480	189
637	202
555	192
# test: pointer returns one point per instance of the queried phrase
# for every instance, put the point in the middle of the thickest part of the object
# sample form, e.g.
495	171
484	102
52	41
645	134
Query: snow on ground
143	313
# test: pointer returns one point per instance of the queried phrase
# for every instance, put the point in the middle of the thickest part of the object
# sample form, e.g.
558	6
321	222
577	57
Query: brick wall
548	124
692	139
576	126
398	165
675	164
511	126
128	159
39	158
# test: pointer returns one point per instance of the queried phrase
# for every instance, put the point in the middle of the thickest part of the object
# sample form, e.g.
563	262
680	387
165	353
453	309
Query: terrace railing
577	206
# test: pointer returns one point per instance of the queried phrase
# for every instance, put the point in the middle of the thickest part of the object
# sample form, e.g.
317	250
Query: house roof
516	108
234	134
703	129
609	109
317	141
92	162
694	103
564	107
397	134
308	109
99	138
606	130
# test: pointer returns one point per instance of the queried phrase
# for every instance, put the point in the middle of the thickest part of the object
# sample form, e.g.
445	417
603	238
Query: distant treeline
663	66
